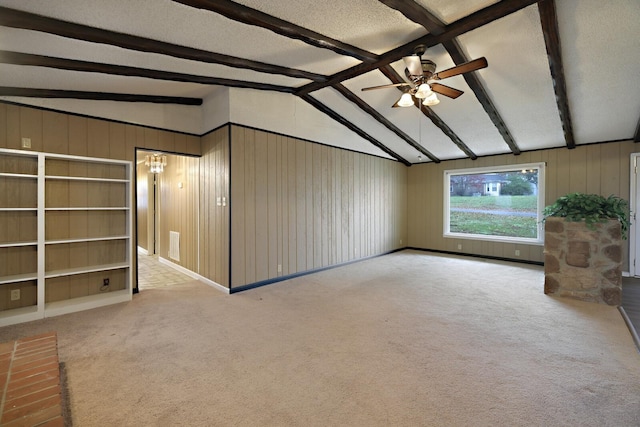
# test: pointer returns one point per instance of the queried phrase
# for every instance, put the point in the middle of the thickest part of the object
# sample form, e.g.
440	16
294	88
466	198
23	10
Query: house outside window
502	203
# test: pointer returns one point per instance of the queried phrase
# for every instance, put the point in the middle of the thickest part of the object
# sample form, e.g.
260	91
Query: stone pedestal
582	263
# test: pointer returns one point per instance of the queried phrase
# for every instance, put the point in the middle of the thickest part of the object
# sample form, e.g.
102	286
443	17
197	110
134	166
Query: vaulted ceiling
561	73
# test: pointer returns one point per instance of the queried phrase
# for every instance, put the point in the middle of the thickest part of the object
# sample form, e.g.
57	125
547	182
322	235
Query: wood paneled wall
596	168
298	206
214	207
62	133
293	206
179	190
55	132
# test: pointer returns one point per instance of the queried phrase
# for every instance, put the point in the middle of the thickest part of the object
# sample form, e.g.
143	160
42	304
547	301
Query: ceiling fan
423	79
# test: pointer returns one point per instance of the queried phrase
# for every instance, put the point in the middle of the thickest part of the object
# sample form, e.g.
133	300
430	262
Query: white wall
215	110
289	115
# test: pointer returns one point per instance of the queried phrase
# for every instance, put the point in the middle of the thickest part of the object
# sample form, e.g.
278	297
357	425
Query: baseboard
193	275
518	260
142	251
304	273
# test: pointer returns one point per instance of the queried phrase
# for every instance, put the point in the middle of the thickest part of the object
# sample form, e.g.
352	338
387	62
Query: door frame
634	229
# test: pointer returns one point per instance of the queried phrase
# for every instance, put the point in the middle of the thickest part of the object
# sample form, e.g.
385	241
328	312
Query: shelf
81	159
87	302
81	178
89	239
88	209
82	270
19	315
16	278
18	175
46	233
18	244
17	311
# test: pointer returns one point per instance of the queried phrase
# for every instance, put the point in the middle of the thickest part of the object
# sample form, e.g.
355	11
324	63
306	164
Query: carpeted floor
406	339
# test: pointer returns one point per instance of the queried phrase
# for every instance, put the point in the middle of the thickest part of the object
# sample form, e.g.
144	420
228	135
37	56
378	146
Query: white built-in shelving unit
65	230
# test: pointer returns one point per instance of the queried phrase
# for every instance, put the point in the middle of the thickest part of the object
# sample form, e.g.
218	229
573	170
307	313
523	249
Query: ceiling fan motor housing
428	68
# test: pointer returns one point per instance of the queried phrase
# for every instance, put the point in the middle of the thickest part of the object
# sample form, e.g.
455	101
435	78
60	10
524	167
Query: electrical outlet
459	247
279	268
26	142
105	282
400	241
15	294
517	252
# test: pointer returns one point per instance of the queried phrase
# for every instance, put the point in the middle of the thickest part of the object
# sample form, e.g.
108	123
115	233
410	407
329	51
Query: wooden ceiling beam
418	14
466	24
549	22
249	16
17	58
395	78
445	129
337	117
384	121
458	56
100	96
29	21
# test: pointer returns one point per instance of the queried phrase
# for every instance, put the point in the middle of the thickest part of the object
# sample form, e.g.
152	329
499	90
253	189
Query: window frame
539	240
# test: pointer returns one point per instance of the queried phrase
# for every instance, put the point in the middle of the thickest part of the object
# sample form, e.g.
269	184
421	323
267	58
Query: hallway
154	274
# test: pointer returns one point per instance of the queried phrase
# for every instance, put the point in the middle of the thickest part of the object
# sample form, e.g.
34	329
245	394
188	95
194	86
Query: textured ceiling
526	99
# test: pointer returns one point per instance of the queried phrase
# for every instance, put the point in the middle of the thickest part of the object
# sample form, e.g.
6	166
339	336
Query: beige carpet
409	339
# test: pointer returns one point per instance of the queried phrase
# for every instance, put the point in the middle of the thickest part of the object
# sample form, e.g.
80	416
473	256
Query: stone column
582	263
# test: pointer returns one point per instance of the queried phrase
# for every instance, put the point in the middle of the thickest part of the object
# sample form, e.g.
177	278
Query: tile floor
154	274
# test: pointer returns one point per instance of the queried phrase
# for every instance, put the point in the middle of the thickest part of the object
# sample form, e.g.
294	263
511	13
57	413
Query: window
502	203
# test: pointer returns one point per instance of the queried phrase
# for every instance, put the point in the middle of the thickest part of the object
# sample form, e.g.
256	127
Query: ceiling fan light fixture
431	100
405	100
424	91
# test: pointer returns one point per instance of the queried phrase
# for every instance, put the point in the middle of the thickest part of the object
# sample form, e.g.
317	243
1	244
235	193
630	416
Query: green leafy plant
592	209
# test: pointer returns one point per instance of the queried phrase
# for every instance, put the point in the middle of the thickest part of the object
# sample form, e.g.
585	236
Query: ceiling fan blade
476	64
385	86
446	90
413	64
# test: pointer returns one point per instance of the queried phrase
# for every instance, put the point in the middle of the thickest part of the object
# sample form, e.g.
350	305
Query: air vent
174	245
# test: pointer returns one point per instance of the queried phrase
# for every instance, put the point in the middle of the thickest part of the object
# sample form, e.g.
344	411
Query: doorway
630	305
146	205
634	205
166	193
